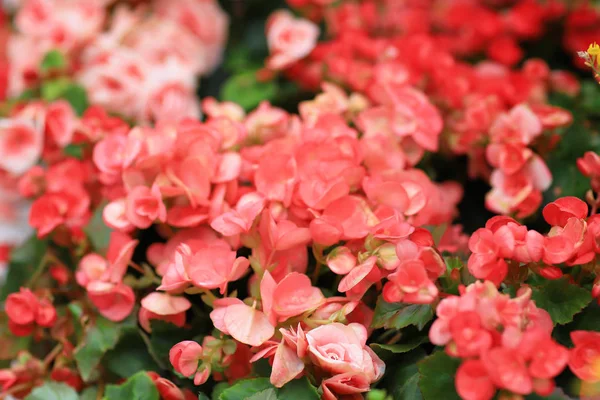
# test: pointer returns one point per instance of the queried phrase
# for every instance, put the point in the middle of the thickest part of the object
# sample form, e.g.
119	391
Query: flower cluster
572	240
125	59
506	343
252	252
497	116
25	311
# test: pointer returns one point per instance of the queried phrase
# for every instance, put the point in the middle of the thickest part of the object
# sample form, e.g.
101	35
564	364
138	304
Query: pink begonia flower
357	274
20	145
240	219
290	39
60	122
346	384
276	177
563	243
175	278
144	206
292	296
215	267
344	219
68	206
102	278
161	255
520	125
283	234
341	260
489	251
165	304
287	365
339	349
114	301
161	306
247	324
529	244
114	154
205	20
473	382
184	357
145	316
560	211
114	216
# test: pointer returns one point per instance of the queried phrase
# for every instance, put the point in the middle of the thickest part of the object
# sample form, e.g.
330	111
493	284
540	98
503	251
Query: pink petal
165	304
248	325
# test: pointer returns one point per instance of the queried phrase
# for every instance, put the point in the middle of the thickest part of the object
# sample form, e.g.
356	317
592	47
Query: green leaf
244	389
90	393
63	88
25	263
74	150
587	320
218	389
400	315
268	394
590	94
97	231
129	356
138	387
202	396
100	337
164	336
298	389
436	379
402	376
453	263
54	89
77	97
399	348
245	90
53	60
53	391
561	299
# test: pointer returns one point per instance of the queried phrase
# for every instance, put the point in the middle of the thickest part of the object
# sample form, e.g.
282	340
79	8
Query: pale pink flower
290	39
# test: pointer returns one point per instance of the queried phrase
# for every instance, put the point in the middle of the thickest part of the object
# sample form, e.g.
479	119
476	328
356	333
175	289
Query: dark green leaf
245	90
590	94
25	263
100	337
53	60
245	388
587	320
561	299
164	336
402	376
400	315
53	391
138	387
399	348
262	368
129	356
436	379
268	394
202	396
74	150
298	389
